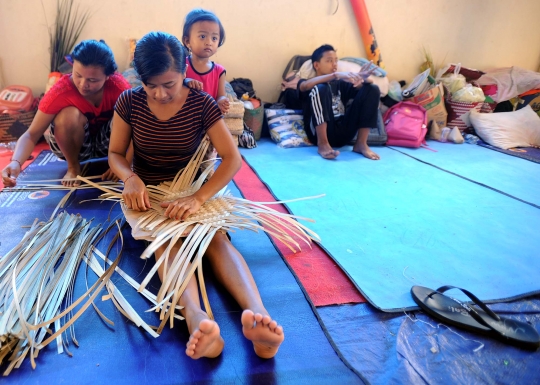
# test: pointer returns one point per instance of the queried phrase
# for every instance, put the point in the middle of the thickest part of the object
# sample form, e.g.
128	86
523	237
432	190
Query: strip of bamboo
223	212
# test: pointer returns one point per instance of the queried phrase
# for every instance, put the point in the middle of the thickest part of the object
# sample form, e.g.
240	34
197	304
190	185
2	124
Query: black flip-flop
483	320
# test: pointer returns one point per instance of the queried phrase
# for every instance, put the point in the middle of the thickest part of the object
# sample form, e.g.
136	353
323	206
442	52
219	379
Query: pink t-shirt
210	79
64	94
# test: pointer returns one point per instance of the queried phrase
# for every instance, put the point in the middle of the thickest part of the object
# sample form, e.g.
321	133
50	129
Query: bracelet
15	160
129	177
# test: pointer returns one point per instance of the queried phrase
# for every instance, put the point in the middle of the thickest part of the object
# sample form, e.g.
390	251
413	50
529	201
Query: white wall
262	35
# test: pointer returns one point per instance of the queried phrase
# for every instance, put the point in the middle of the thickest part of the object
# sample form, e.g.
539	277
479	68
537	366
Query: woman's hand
182	208
109	175
10	173
135	194
223	104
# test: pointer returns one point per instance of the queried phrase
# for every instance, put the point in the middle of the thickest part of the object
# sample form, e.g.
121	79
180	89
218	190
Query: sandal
483	320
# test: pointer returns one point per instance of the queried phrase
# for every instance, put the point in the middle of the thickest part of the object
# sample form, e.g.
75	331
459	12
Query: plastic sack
453	81
287	128
510	82
394	91
508	129
469	94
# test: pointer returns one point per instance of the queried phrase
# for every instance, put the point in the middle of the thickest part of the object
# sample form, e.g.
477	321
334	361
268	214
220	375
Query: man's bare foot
366	151
327	152
264	332
70	179
205	341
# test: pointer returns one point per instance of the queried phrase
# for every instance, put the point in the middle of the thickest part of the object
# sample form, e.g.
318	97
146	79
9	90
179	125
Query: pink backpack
406	125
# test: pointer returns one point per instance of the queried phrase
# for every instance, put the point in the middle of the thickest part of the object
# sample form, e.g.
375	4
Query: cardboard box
433	102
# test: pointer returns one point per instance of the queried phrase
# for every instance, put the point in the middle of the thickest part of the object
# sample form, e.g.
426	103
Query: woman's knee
69	118
219	241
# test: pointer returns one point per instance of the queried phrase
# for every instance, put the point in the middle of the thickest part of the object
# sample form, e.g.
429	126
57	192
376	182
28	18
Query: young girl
202	35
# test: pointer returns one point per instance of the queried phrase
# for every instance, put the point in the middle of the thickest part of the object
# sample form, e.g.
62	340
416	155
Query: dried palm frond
36	286
68	26
223	212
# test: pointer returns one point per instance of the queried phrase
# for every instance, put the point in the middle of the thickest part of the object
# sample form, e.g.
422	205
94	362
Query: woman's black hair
197	15
319	52
156	53
95	53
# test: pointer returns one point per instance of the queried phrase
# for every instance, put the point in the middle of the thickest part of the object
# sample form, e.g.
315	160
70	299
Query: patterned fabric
163	147
94	146
209	79
64	94
247	139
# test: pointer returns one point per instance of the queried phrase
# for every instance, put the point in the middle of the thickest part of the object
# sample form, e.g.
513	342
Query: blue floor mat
399	222
125	354
393	348
517	177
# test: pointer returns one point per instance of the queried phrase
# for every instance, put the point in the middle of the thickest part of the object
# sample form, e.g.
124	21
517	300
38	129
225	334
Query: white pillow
506	130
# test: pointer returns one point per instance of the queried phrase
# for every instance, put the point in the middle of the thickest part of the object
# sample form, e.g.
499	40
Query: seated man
338	105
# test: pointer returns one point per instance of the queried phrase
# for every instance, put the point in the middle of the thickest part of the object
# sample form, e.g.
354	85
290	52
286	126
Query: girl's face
165	87
89	80
203	39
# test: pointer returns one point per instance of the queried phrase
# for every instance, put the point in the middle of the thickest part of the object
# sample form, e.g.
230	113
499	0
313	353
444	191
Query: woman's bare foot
327	152
264	332
205	341
366	151
70	179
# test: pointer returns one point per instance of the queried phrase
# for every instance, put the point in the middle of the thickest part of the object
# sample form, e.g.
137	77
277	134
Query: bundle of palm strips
223	212
36	287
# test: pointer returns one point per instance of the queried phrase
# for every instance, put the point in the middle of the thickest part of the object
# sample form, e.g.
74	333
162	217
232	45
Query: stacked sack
234	119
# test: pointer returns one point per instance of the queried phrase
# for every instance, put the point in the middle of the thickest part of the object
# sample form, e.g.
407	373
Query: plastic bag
469	94
510	82
453	81
394	91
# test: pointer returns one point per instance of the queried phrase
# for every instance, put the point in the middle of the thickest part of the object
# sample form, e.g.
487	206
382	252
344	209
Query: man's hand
350	77
366	70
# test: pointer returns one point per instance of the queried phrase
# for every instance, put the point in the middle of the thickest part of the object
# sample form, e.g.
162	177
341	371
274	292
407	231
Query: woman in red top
79	110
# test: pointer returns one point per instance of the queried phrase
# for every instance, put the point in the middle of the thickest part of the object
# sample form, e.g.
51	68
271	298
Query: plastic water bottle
6	148
471	139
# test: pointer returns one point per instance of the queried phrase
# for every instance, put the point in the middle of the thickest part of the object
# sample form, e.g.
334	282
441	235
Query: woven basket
236	108
235	139
235	125
13	126
234	119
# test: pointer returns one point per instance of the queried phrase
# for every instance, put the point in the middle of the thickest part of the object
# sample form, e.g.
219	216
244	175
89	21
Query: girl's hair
95	53
156	53
197	15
